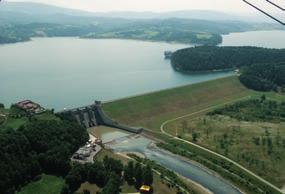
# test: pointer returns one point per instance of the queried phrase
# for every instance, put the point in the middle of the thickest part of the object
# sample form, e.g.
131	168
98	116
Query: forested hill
261	69
209	58
264	77
23	21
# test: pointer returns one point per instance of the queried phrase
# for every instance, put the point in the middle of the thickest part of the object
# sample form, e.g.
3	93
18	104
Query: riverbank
151	110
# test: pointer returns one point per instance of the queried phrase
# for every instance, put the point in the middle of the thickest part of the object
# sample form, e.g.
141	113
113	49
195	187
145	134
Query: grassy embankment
151	110
46	185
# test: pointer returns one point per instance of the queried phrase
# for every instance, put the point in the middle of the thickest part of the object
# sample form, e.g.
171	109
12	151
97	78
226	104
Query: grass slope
46	185
151	110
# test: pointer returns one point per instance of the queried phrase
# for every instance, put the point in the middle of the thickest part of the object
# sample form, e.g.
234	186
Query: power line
264	12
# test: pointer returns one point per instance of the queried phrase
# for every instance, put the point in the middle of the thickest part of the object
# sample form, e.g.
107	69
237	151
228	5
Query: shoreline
197	185
207	170
152	146
171	88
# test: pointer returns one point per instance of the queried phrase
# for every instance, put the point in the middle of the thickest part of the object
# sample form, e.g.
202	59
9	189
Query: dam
93	115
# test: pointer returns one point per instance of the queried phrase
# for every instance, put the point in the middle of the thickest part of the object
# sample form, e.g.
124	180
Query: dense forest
40	146
264	77
262	69
208	58
254	110
45	143
108	174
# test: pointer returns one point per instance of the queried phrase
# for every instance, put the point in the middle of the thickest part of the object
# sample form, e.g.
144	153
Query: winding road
210	151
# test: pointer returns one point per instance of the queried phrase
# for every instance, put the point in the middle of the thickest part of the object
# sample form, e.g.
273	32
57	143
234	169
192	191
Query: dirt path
212	152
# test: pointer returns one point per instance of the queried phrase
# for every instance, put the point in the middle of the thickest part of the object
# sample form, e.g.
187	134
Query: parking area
87	153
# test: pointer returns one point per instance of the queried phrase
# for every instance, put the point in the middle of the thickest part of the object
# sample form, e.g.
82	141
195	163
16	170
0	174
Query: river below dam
120	141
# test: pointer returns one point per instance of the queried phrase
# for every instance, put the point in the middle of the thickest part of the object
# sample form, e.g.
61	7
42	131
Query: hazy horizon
228	6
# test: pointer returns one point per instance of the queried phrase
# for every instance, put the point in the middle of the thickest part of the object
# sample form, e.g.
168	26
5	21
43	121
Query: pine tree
138	175
129	173
147	175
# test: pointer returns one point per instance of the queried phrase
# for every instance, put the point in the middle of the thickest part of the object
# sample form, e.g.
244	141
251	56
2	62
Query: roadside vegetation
250	132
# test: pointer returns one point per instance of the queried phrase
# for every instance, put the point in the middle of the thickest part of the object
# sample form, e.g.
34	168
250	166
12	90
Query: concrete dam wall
93	115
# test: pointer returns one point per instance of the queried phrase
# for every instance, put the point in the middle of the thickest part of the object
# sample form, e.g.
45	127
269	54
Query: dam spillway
93	115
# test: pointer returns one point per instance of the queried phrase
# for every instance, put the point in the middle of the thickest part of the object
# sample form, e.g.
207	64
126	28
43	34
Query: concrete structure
93	115
87	153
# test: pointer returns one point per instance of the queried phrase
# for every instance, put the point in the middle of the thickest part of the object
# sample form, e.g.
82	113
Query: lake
268	39
70	72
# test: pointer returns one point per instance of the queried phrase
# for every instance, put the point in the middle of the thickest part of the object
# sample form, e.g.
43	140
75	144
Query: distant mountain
26	10
22	21
185	14
40	9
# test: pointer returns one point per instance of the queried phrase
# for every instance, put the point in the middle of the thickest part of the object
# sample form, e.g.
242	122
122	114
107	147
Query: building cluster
89	151
30	107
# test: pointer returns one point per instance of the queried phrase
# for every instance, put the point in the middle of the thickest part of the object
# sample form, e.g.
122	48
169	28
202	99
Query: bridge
93	115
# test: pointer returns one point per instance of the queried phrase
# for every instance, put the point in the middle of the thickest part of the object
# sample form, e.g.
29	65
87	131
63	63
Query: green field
151	110
193	102
238	141
46	185
15	123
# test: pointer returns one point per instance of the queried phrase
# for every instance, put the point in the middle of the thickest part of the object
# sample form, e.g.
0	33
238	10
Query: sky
149	5
230	6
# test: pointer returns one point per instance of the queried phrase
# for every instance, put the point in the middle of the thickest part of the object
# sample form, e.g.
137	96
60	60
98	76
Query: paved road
210	151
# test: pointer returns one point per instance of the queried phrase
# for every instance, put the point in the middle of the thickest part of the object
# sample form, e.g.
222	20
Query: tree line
108	174
262	69
209	58
40	146
264	77
254	110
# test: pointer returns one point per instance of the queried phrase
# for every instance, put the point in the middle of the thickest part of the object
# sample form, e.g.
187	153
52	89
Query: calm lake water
70	72
269	39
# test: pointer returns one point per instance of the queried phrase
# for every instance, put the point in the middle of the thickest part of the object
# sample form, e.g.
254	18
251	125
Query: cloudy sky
237	6
149	5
